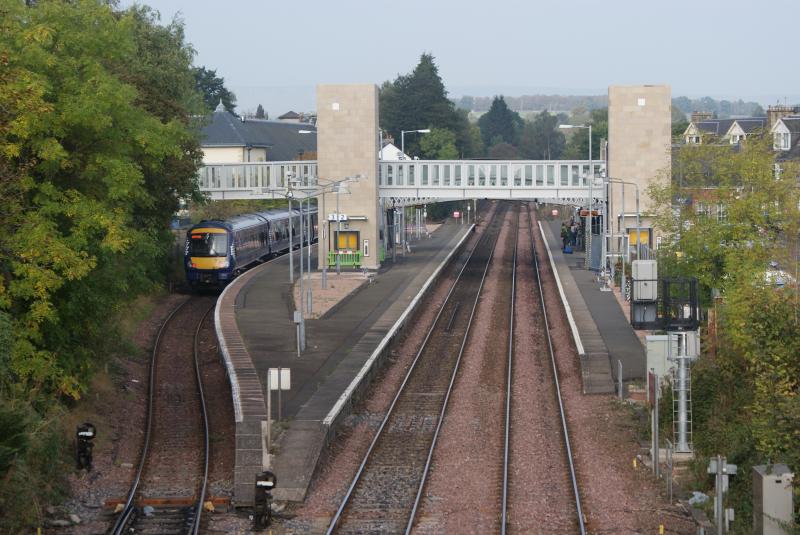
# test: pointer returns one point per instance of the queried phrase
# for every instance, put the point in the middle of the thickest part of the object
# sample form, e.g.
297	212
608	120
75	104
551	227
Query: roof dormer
781	135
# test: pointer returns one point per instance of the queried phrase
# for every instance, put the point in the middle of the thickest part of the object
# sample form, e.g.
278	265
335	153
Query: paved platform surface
606	334
339	345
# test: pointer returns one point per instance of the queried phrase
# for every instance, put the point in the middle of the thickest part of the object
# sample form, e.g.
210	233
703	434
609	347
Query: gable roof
751	124
717	127
289	115
282	140
792	123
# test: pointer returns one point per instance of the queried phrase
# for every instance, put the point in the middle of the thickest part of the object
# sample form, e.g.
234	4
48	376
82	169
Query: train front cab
207	257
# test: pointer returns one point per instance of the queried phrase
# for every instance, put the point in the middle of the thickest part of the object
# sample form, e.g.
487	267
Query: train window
208	244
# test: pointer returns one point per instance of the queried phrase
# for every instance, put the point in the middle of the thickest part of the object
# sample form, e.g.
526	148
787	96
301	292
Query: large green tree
500	124
213	89
419	100
439	144
98	147
727	216
541	139
578	141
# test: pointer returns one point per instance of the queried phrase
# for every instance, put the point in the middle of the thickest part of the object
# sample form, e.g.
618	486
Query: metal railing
259	177
352	259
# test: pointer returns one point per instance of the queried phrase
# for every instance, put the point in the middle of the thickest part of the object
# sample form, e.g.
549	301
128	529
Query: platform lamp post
403	137
333	186
638	222
590	177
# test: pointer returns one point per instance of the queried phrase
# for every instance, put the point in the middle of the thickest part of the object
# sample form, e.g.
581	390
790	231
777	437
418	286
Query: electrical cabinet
659	347
645	280
772	499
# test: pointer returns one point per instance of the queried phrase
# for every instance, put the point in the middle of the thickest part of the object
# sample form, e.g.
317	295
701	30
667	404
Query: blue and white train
217	251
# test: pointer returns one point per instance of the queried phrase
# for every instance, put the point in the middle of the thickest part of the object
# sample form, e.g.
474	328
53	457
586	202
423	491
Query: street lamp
334	186
638	222
588	239
403	137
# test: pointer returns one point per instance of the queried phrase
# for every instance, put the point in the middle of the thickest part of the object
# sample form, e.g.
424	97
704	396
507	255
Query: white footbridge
414	181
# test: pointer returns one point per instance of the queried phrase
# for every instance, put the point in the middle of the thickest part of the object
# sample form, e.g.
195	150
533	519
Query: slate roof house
786	136
227	138
782	122
704	129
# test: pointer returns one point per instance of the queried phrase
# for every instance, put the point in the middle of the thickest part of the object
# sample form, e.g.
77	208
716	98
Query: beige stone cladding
347	145
639	133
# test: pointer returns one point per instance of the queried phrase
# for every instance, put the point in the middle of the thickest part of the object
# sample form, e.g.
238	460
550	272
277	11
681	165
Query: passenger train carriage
217	251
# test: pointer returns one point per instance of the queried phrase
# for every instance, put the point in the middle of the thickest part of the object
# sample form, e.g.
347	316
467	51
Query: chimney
777	112
698	116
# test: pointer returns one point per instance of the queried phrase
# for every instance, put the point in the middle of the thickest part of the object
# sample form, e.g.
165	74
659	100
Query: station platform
256	332
603	335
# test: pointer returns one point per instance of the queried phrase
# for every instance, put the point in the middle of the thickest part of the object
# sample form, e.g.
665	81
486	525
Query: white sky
274	52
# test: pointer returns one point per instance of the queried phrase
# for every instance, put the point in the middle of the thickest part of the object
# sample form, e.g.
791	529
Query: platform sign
280	379
456	215
652	379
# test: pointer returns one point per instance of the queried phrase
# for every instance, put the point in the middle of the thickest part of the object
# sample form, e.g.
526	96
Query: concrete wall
347	145
222	154
639	133
233	154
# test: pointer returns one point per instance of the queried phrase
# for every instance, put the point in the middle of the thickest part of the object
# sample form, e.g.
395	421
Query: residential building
733	131
227	138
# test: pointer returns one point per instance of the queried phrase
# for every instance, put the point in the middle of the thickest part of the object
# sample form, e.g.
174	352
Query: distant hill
565	103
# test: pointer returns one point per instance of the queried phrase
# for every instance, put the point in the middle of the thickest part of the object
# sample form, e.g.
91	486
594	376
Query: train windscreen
208	244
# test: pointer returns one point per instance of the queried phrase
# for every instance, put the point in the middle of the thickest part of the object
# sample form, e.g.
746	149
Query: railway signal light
84	435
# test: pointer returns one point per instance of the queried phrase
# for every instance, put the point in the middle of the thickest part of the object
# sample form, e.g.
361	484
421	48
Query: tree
439	144
260	112
213	89
727	215
679	122
96	165
541	139
500	150
578	142
500	124
419	100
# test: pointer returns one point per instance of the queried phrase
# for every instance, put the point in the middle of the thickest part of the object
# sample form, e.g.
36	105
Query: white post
588	240
302	294
638	228
624	242
338	231
269	418
309	231
280	387
604	248
291	263
657	391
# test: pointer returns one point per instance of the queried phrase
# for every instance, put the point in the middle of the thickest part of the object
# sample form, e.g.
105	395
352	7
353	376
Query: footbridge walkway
410	181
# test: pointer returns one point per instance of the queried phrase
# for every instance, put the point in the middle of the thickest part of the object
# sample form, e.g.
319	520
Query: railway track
385	493
546	381
173	467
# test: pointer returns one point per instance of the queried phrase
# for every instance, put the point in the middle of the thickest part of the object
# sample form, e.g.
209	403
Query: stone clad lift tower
347	145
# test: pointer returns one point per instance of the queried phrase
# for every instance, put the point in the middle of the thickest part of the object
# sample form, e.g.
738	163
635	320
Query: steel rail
504	516
127	511
565	431
412	516
195	528
346	499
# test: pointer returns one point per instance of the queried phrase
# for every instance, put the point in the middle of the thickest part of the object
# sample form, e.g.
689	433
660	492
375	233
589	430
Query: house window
781	141
693	140
736	138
